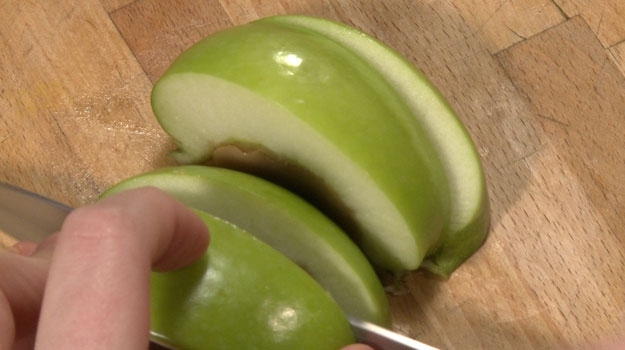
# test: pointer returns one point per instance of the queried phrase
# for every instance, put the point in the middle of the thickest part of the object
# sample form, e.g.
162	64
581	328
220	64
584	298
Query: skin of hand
87	286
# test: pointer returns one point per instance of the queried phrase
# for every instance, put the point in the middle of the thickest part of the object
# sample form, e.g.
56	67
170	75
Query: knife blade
381	338
28	216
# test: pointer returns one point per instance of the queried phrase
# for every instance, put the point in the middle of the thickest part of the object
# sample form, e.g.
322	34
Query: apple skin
461	243
284	221
243	294
470	208
307	100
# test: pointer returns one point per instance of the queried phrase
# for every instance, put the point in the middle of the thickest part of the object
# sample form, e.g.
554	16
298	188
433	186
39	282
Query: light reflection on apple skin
282	320
287	59
288	62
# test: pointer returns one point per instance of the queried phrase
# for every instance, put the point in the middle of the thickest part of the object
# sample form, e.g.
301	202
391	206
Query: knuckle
95	221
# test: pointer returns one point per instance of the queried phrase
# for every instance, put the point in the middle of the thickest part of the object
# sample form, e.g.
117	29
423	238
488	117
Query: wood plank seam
562	12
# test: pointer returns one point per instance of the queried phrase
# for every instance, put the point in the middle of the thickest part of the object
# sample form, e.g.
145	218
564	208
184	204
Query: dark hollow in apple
259	161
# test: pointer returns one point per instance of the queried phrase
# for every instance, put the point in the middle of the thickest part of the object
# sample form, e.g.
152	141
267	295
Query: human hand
91	280
88	285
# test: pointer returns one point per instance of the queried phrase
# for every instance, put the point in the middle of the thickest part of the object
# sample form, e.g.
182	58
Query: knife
30	217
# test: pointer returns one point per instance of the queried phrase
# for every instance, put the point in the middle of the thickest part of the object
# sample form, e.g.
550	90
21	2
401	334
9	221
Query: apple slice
285	222
243	294
470	215
309	104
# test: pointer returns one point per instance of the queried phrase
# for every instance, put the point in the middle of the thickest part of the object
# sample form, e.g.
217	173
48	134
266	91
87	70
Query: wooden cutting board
539	84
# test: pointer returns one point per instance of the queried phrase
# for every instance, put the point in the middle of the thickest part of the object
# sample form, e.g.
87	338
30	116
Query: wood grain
504	23
605	18
617	54
75	104
539	84
584	125
583	115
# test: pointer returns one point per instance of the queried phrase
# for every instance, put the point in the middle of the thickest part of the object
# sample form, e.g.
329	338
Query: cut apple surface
469	216
243	294
307	100
285	222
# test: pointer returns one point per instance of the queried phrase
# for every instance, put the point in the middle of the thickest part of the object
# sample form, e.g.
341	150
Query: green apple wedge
284	221
470	215
323	120
243	294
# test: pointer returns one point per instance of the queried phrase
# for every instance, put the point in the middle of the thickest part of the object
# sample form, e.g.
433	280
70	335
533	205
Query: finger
22	281
45	249
23	274
7	324
357	347
97	295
